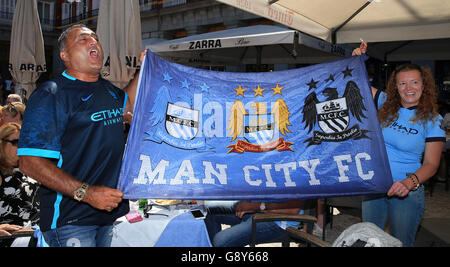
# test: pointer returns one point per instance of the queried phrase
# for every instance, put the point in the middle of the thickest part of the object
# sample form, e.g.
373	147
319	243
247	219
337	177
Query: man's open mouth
93	53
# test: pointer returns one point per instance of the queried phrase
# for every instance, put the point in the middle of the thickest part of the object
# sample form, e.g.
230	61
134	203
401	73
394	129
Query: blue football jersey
405	140
79	126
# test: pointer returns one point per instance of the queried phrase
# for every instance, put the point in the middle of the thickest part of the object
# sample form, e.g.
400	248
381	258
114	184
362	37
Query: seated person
239	215
6	229
19	202
13	112
13	98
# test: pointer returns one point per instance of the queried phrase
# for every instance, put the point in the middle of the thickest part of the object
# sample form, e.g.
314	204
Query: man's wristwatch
262	206
80	193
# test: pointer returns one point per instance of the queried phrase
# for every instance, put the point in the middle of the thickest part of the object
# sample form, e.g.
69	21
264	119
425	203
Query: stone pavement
435	225
434	230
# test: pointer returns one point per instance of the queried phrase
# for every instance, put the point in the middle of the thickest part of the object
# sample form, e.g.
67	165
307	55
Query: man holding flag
72	142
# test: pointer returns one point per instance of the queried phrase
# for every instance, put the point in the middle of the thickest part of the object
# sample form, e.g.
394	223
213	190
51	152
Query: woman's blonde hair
427	108
6	130
15	108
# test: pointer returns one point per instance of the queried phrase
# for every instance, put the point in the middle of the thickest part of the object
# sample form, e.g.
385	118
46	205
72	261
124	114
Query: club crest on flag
260	128
175	124
332	115
181	122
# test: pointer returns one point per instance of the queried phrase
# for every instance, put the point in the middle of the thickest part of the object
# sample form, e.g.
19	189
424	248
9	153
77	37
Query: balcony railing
7	17
87	15
52	24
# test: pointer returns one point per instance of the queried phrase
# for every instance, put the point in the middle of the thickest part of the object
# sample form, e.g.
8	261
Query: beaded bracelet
415	182
417	178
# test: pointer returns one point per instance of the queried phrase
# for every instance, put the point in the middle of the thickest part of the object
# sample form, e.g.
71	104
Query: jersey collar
68	76
412	108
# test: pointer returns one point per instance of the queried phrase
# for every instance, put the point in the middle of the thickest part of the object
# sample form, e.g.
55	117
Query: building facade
160	19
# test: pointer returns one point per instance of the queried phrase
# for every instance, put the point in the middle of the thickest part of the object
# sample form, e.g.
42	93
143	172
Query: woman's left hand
362	49
398	189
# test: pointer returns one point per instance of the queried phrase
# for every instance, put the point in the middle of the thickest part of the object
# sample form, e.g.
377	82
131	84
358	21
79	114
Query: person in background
19	201
13	98
74	154
9	87
13	112
411	127
239	214
3	92
442	175
6	229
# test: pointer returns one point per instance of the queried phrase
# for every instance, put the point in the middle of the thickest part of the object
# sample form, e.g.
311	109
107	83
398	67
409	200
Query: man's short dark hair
63	37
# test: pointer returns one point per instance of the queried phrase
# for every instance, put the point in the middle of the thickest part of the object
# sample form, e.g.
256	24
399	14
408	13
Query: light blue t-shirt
405	140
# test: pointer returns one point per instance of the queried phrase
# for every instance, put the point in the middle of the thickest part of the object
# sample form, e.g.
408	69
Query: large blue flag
304	133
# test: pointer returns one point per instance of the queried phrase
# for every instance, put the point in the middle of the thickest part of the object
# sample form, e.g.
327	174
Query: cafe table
165	226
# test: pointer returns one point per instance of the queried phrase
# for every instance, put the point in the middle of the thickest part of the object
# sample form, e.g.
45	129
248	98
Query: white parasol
26	56
258	44
347	21
119	31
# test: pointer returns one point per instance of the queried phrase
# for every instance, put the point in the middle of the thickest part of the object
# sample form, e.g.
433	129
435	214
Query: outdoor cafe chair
304	221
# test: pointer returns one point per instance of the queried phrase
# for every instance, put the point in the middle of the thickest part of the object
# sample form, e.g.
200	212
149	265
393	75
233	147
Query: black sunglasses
13	142
11	108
